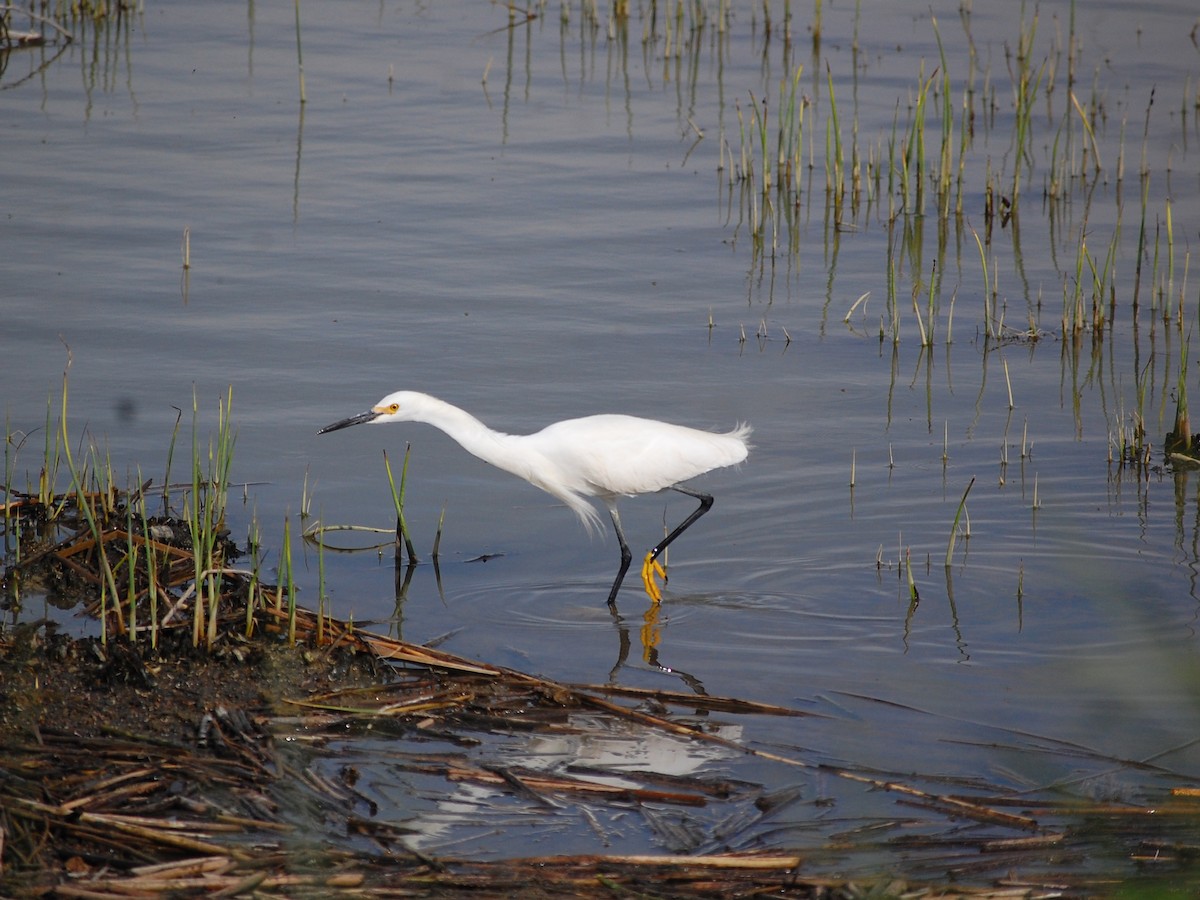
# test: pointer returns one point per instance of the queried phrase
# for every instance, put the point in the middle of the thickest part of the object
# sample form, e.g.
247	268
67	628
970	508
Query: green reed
151	570
131	570
893	305
254	546
1183	426
402	532
915	165
988	293
835	163
913	595
306	497
1026	85
287	582
205	515
79	478
958	514
790	138
946	151
322	596
1169	293
47	492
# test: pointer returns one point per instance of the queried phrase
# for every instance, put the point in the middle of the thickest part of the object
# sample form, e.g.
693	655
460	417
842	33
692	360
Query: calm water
544	221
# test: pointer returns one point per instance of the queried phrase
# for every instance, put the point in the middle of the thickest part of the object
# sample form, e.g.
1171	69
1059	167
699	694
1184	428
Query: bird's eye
393	407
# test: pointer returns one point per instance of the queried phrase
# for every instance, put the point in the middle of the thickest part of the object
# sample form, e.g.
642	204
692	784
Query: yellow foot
650	568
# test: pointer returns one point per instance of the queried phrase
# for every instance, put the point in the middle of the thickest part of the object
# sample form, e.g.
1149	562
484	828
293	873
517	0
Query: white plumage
604	456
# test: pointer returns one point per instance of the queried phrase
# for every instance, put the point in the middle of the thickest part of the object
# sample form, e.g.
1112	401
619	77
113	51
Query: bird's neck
491	446
520	454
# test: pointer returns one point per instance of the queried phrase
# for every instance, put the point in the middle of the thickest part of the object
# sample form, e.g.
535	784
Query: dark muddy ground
85	688
130	772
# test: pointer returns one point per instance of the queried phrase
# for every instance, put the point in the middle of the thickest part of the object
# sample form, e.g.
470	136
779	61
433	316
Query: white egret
605	456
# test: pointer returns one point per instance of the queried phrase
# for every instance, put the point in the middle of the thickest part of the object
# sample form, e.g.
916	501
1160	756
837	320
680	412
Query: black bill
362	417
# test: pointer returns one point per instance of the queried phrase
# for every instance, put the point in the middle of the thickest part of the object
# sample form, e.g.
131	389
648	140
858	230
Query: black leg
626	555
706	502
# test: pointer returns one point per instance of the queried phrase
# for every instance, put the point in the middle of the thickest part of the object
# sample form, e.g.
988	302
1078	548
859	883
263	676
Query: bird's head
402	406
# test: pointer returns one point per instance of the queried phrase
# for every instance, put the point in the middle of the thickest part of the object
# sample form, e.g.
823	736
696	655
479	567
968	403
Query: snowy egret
605	456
